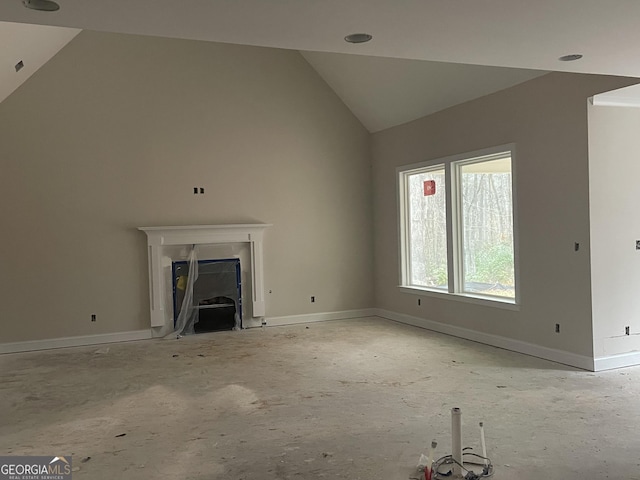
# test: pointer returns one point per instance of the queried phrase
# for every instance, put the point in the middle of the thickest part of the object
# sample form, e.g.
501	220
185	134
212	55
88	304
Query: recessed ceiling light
358	38
570	58
42	5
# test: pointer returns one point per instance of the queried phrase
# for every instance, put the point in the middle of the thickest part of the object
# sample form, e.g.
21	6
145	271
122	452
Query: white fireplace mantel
159	237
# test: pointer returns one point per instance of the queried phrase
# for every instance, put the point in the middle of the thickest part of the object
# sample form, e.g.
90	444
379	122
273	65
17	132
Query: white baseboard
617	361
33	345
319	317
558	356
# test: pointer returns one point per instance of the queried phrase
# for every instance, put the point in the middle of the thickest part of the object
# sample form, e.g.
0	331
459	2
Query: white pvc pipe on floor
483	444
456	441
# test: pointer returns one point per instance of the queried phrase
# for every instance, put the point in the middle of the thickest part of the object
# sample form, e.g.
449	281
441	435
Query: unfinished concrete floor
356	399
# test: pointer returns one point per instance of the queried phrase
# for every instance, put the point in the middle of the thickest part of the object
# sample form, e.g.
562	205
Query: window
457	225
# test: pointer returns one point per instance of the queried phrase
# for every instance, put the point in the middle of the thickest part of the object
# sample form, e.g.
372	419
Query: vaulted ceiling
400	84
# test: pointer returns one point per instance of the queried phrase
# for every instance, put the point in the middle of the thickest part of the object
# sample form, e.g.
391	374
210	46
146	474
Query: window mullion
457	235
450	179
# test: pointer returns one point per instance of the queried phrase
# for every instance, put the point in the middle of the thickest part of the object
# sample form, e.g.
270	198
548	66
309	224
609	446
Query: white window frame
454	226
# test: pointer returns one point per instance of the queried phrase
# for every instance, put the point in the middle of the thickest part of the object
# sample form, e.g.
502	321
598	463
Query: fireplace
170	244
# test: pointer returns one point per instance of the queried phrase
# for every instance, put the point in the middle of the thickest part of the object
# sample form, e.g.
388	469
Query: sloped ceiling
504	33
491	33
384	92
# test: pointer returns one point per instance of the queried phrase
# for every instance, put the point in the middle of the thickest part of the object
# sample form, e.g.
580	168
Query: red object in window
429	187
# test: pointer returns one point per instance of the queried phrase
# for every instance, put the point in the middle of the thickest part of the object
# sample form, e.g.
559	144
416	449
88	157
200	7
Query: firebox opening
216	303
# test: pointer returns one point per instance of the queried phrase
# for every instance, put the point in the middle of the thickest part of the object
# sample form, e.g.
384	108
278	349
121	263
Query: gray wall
614	161
115	132
547	120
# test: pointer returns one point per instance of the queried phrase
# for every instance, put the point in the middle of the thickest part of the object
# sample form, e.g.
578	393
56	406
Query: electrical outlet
313	299
557	328
637	244
93	317
419	303
626	331
576	246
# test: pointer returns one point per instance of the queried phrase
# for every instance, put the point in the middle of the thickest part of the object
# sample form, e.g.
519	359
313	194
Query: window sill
496	302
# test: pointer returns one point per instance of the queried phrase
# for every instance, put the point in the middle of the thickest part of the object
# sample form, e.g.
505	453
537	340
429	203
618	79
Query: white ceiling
504	33
384	92
507	33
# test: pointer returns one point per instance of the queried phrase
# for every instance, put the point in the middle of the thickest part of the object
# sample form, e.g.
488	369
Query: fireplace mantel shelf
202	234
233	226
161	236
